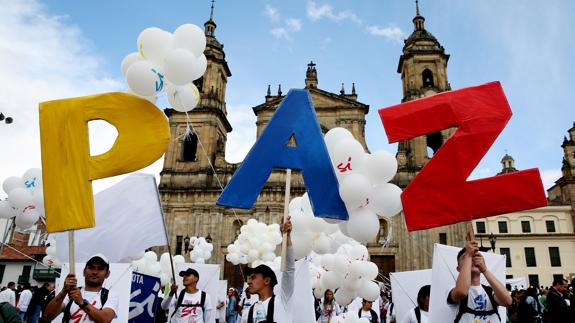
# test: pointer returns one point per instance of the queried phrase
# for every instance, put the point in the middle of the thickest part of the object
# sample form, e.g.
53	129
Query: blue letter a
295	116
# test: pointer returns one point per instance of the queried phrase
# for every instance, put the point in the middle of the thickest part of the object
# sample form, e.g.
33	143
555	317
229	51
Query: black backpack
181	300
103	298
270	313
373	315
464	309
526	312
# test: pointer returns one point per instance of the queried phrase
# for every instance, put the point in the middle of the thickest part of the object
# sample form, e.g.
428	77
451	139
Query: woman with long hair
328	308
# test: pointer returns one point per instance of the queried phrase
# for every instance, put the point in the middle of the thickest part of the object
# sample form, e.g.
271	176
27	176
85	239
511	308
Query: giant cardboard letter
295	116
68	169
440	194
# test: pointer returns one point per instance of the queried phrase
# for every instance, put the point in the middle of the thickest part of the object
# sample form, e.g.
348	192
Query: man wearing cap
261	281
191	305
91	303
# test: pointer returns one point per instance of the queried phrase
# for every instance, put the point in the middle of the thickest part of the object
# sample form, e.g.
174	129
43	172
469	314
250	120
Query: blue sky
64	48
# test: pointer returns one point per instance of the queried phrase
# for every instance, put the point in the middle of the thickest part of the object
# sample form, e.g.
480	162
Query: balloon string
192	130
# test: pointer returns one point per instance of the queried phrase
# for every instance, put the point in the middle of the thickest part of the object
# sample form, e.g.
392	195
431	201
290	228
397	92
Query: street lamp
492	240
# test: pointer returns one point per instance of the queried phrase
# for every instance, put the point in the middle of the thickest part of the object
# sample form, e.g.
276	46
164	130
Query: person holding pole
91	303
261	281
476	302
191	304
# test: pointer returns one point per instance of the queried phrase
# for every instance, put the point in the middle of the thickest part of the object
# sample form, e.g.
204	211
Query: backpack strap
202	300
417	311
373	316
104	292
463	308
270	312
179	302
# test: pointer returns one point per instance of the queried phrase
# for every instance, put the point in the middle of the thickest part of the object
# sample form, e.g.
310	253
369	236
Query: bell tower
423	69
185	155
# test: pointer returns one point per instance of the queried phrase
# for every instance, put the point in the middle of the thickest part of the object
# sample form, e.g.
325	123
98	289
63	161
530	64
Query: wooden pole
72	259
469	234
285	217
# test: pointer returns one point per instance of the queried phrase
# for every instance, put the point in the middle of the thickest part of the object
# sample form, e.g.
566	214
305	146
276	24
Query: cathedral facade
195	170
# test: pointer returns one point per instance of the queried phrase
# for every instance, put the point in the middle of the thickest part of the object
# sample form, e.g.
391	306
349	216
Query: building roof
9	254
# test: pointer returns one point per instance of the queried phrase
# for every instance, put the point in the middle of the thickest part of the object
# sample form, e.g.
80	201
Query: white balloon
306	205
20	198
331	280
200	261
165	262
232	248
369	290
27	219
340	264
351	283
343	228
363	225
150	256
51	251
190	37
144	79
327	262
183	98
321	244
129	60
182	67
370	270
359	252
33	179
318	290
268	256
253	254
6	211
354	190
317	224
343	297
179	259
234	258
11	183
154	43
301	245
165	279
335	135
347	151
48	260
38	198
380	166
295	205
385	199
356	268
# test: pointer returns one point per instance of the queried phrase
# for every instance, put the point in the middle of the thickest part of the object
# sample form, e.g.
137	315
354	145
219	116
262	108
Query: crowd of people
473	301
24	303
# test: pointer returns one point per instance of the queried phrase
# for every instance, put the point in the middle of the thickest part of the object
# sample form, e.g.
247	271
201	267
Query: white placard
209	279
405	287
443	277
119	282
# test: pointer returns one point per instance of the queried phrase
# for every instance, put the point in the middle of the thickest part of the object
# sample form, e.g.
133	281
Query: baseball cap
98	259
189	271
265	270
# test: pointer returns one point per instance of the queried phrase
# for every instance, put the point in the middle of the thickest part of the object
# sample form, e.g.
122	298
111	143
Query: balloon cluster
363	184
168	62
256	245
51	258
25	199
348	271
311	233
201	250
148	264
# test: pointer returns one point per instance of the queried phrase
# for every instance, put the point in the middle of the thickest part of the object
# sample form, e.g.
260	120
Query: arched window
434	141
190	148
427	77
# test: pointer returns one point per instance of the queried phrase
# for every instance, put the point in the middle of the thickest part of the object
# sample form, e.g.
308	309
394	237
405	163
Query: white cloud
549	177
294	24
280	32
42	57
272	13
242	138
316	12
390	32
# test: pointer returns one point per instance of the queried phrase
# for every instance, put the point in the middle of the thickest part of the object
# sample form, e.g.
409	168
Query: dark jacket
557	309
9	314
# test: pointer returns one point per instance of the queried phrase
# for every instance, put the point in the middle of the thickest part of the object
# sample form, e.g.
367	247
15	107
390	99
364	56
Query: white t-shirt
9	296
327	314
77	315
478	300
191	314
283	300
410	317
367	315
246	303
24	301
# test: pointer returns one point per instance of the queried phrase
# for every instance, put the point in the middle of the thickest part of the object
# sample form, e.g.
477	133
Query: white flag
128	220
